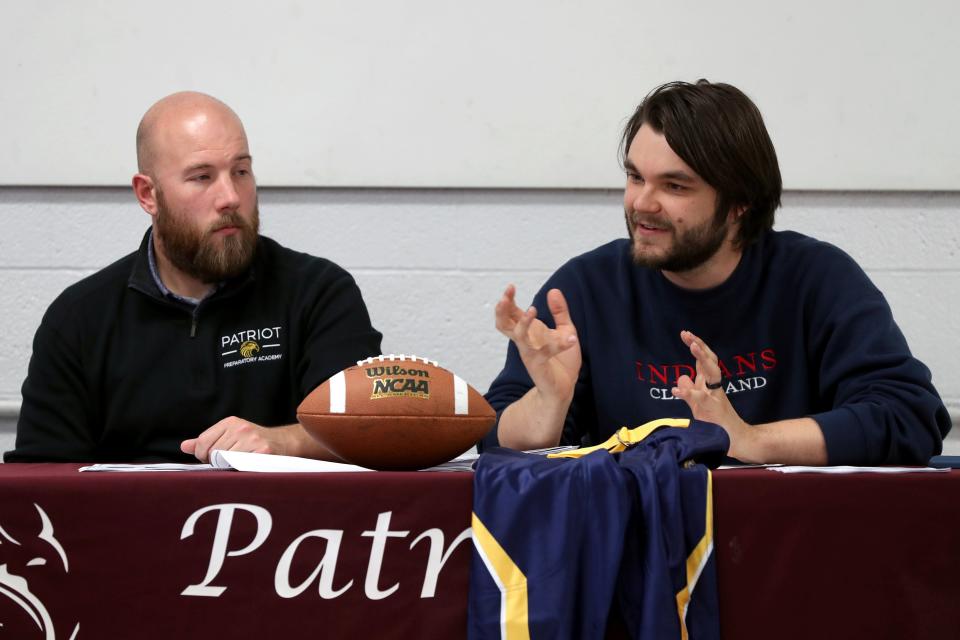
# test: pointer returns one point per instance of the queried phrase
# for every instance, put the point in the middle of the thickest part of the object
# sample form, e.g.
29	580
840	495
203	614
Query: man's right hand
552	358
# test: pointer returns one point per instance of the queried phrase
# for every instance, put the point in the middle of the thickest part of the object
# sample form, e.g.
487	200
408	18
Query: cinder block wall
432	263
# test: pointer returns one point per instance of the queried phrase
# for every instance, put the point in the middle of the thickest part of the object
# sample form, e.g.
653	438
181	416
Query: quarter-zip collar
145	279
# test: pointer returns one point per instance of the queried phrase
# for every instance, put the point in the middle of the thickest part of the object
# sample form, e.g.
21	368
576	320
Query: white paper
463	462
234	460
749	466
548	450
263	462
153	466
847	469
221	460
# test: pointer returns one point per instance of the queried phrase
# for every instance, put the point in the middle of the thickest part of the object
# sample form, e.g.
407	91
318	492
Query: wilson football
396	413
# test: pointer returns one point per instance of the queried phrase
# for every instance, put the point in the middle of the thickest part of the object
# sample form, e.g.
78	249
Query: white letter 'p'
219	551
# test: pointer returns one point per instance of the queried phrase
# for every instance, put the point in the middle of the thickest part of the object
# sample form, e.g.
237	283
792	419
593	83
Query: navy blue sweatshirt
799	330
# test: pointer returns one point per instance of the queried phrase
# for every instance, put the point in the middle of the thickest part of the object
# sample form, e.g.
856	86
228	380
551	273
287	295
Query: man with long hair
705	311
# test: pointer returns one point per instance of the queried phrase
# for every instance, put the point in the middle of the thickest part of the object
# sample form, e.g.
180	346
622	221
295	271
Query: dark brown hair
719	133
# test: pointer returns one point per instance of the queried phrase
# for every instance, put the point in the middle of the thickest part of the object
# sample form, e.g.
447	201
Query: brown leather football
396	413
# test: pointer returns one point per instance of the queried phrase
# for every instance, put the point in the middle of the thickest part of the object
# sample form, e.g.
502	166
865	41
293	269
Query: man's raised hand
551	356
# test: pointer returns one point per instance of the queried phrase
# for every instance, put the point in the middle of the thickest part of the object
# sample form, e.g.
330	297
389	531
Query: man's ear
736	213
146	193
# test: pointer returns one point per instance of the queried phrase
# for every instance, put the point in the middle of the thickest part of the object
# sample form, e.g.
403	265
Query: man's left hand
706	397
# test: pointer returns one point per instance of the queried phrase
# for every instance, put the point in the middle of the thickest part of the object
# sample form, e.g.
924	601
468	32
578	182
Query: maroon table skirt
387	555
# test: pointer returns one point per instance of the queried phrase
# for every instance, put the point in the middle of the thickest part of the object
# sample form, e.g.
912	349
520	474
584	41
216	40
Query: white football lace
393	357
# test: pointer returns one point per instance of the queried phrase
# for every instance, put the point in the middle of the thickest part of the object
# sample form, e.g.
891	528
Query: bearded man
205	338
705	311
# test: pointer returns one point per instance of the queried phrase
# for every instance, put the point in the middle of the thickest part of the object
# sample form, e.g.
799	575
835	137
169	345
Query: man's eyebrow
677	176
201	166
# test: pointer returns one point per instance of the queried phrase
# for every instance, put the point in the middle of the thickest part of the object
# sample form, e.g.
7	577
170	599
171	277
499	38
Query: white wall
496	93
431	263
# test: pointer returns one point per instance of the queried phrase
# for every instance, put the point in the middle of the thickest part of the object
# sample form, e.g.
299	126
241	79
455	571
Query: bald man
208	336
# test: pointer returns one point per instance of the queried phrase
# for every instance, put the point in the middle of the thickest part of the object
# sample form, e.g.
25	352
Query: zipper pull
193	327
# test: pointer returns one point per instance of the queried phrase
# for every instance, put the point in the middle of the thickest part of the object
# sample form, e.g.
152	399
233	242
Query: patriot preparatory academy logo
250	346
397	381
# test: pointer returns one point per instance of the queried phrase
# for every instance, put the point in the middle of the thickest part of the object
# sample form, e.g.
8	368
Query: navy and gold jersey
559	540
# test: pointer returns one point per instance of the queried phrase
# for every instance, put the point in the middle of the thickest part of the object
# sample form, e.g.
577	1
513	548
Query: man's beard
197	253
689	250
